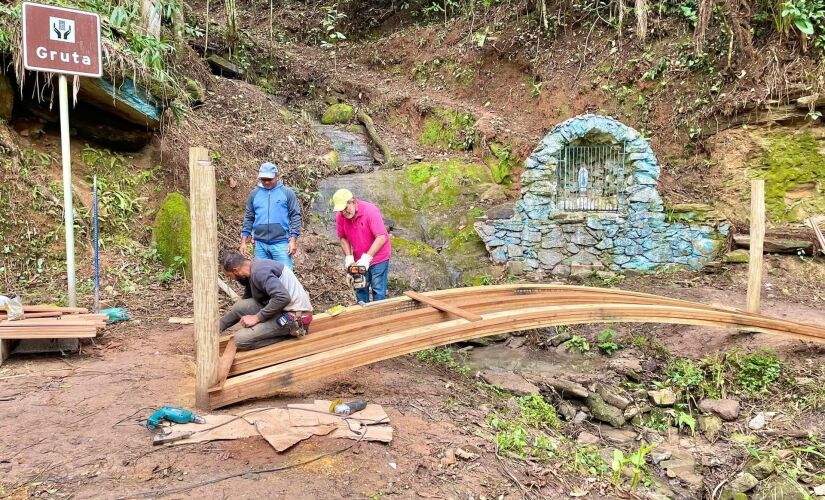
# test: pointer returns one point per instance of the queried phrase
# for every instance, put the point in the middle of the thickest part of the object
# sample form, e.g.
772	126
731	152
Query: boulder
779	488
757	422
742	483
727	409
566	409
710	425
604	412
338	113
500	212
560	338
510	382
171	231
612	397
760	469
776	245
224	67
662	397
740	256
585	438
567	389
619	436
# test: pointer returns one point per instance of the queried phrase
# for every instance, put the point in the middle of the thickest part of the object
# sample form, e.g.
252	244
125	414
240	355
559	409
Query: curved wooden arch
367	334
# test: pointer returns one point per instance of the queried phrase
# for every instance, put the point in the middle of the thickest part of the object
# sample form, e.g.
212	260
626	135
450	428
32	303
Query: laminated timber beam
364	335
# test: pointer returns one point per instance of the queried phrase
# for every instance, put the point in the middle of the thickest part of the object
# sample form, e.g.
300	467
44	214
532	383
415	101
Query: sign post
67	42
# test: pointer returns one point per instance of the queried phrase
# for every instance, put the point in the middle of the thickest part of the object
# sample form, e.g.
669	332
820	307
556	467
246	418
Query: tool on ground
358	273
340	408
170	437
172	414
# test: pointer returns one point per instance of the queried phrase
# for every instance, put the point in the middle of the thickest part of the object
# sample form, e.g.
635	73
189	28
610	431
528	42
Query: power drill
172	414
358	274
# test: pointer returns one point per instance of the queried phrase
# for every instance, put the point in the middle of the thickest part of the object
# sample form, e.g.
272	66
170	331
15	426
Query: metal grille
590	178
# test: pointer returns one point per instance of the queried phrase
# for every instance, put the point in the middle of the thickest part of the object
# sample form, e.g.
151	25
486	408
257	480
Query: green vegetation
171	233
502	163
522	432
412	248
338	113
445	357
636	460
537	412
789	162
578	343
449	129
607	342
441	184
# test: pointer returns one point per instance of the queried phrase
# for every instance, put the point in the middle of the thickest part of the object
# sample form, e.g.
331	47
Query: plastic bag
14	308
116	314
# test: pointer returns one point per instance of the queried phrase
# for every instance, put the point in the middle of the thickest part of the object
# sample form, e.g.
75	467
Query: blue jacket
272	215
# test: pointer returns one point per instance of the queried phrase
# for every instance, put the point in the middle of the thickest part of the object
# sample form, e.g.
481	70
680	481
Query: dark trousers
260	335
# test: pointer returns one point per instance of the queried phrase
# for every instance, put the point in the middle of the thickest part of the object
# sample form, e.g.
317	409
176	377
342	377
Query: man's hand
364	261
249	321
348	261
292	247
244	249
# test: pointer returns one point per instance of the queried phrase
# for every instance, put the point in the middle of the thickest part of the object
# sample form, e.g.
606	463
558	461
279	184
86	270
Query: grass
444	357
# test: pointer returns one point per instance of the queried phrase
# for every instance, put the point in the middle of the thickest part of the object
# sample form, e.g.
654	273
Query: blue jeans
376	280
274	251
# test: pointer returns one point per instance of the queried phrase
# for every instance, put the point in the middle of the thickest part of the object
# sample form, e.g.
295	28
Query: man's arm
295	220
377	244
345	246
278	298
248	220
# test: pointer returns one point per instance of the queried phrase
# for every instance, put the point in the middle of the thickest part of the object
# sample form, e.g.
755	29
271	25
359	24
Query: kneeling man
274	306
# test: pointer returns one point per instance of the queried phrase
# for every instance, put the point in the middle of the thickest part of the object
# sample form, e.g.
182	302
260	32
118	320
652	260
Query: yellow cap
340	199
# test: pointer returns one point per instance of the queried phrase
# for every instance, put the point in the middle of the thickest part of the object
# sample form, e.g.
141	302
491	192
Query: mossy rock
171	231
501	163
195	91
793	167
412	248
338	113
442	183
449	129
740	256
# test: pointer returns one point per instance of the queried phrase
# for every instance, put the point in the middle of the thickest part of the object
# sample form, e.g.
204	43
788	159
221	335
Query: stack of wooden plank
382	330
50	322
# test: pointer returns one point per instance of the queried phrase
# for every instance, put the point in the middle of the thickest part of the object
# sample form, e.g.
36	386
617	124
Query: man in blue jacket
273	218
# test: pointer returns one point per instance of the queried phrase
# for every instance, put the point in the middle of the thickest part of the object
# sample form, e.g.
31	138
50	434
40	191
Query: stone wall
642	236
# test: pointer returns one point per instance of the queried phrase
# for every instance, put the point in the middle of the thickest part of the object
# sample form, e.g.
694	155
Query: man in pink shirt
365	242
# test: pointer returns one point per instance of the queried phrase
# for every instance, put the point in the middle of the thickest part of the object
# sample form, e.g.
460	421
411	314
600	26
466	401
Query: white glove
364	261
348	261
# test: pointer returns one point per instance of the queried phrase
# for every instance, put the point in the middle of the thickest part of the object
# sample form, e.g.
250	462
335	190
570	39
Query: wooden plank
41	308
523	310
204	271
442	306
757	236
225	364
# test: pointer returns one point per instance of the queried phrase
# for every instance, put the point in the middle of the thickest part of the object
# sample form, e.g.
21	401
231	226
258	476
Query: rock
612	397
171	232
760	469
604	412
757	422
224	67
500	212
516	342
514	268
579	418
662	397
6	97
619	436
776	245
338	113
740	256
559	338
567	389
742	483
566	409
510	382
728	409
448	458
819	490
778	488
467	452
488	340
710	425
629	367
586	438
634	411
659	456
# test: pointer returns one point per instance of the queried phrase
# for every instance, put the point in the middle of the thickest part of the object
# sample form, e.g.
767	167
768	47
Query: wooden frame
364	335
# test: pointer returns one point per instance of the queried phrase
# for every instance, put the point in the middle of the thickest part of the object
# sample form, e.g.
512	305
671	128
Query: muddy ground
72	425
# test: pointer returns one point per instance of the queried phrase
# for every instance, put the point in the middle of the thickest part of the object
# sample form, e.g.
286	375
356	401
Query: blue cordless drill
172	414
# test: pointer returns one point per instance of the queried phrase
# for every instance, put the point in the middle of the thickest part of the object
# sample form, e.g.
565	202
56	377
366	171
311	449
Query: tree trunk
150	17
705	9
641	19
739	18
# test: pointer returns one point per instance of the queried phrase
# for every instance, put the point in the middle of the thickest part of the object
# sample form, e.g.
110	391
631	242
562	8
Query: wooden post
204	271
756	240
5	350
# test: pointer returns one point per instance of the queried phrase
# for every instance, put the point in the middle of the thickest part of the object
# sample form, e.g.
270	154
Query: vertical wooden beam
204	271
5	350
757	239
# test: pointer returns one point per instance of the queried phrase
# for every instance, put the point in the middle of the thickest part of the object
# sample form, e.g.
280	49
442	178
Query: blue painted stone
582	237
499	255
532	264
494	242
623	242
594	223
611	231
639	263
549	258
515	251
644	179
621	260
661	253
571	248
530	236
704	247
605	244
644	195
634	249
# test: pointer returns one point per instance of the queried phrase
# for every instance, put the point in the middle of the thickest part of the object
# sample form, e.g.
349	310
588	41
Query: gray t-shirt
276	287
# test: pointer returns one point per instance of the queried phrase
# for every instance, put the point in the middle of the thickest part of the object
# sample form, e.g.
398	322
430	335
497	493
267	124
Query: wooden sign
60	40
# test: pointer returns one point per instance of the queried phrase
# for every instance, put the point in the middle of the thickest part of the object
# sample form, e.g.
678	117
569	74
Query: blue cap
268	171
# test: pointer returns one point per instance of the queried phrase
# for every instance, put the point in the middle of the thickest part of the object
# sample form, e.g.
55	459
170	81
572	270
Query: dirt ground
72	425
